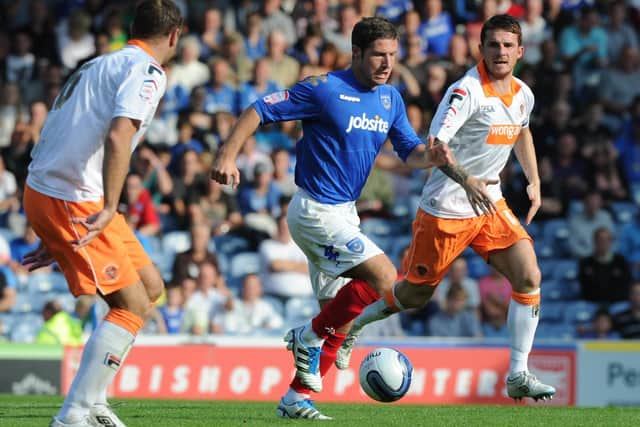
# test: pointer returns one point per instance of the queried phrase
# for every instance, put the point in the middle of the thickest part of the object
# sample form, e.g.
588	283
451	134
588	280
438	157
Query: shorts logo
148	90
421	270
330	253
112	361
276	97
386	101
356	245
110	271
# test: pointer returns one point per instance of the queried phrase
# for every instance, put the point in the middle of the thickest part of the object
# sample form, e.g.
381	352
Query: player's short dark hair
501	22
369	30
155	18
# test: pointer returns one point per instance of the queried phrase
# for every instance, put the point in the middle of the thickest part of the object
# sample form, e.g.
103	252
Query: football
385	374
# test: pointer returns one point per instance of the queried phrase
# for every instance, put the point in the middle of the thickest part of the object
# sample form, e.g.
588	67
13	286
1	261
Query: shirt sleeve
403	137
304	100
454	110
530	100
140	91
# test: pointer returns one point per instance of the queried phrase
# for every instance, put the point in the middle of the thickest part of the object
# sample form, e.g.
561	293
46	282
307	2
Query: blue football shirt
344	125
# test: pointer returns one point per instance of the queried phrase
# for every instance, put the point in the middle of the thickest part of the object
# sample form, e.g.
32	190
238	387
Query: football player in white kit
482	117
73	188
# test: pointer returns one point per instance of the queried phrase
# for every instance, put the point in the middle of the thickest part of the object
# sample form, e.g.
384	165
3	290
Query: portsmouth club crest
356	245
386	101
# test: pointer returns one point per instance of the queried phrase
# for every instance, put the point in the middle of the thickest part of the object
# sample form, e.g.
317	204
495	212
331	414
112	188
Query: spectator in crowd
259	85
627	322
555	198
250	315
75	41
534	31
21	65
189	72
189	185
486	9
583	224
59	327
583	47
41	29
9	201
218	209
12	111
211	34
454	320
255	43
436	28
273	18
283	265
459	276
284	69
605	175
187	264
140	211
283	177
415	59
628	145
341	38
221	96
620	34
458	61
7	293
20	246
495	293
211	296
620	85
604	275
249	158
241	67
511	8
173	311
601	327
155	177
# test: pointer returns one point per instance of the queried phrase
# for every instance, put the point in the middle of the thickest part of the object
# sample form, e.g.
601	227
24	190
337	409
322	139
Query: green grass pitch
27	411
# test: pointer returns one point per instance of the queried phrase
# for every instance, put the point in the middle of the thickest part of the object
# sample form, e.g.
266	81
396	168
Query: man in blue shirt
346	117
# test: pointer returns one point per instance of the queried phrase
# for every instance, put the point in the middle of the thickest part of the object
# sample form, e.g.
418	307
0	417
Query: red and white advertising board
442	375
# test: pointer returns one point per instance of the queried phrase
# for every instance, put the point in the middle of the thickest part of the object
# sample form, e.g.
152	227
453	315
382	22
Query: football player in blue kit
346	117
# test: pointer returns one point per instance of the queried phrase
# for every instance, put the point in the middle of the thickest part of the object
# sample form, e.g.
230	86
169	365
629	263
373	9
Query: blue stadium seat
230	244
552	312
580	311
381	227
619	307
565	269
164	262
244	263
25	328
624	212
176	242
555	237
556	331
300	310
546	266
385	243
398	245
559	290
477	267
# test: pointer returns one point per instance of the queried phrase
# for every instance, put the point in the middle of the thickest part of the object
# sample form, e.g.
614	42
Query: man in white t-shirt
72	193
283	267
482	117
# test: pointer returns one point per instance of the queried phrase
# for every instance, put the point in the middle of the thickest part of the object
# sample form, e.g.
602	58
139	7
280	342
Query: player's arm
115	165
429	155
224	168
476	188
526	155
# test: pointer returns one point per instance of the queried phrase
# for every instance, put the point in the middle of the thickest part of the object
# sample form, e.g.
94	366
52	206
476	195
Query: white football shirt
480	127
67	160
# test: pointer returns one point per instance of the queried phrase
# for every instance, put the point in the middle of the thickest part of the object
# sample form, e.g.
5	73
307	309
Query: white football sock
375	311
522	322
293	396
310	337
101	359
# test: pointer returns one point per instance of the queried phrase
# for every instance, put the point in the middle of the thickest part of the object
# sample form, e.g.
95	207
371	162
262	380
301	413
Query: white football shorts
330	237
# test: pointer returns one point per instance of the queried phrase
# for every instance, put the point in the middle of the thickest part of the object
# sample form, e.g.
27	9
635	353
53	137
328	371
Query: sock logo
105	421
535	310
329	330
112	361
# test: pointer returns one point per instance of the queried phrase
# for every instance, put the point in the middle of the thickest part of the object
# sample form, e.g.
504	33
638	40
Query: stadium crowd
227	256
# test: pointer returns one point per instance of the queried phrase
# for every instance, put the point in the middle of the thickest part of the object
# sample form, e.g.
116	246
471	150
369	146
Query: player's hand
225	172
478	195
439	154
37	258
533	191
94	224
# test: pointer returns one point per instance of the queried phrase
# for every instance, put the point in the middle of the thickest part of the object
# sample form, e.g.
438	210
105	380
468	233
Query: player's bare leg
519	265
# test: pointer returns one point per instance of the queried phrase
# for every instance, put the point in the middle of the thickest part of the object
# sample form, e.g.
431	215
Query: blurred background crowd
227	256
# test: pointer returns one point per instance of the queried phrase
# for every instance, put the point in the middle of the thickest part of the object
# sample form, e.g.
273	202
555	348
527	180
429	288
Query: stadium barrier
30	369
608	373
444	372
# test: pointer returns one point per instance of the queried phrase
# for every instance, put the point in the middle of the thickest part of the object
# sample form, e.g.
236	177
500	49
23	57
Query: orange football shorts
110	261
437	242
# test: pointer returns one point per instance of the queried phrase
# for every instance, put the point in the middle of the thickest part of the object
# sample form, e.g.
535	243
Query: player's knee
530	280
